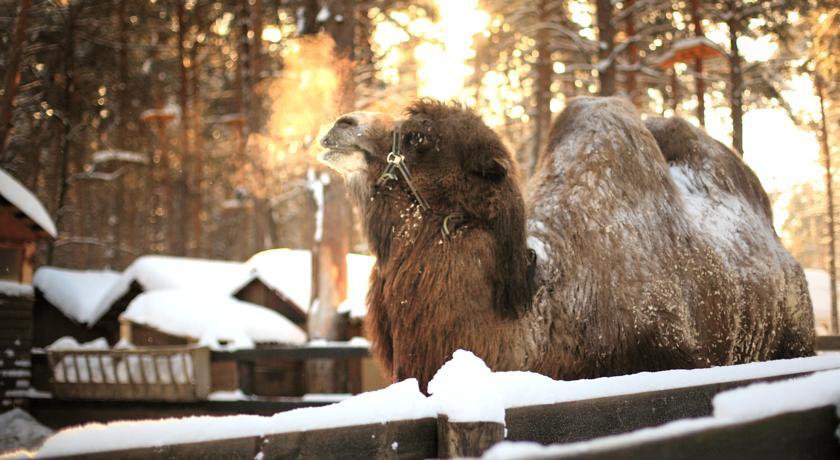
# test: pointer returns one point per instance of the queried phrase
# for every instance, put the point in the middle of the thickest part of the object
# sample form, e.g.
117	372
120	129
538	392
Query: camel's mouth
344	160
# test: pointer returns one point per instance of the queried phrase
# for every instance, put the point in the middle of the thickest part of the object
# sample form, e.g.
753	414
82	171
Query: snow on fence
471	409
158	373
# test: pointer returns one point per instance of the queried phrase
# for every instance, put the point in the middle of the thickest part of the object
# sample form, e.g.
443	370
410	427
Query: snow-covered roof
288	271
78	294
819	286
211	318
358	279
689	49
155	272
13	289
14	192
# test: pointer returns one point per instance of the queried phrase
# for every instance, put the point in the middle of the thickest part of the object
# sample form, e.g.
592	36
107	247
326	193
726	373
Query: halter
398	167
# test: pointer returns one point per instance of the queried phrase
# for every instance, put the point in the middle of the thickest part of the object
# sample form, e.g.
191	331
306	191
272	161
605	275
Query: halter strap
398	167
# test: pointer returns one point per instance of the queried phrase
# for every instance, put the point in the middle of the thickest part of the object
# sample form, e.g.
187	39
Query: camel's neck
426	284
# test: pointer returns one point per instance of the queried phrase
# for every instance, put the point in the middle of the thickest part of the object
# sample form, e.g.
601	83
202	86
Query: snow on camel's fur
638	260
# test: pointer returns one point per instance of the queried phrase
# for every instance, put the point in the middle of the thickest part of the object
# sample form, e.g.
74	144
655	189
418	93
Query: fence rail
783	436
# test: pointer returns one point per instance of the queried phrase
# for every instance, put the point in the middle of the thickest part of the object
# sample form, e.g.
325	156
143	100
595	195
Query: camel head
454	165
456	162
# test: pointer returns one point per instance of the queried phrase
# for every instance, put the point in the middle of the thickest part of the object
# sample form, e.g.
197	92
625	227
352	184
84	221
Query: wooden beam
594	418
807	434
292	353
828	342
466	439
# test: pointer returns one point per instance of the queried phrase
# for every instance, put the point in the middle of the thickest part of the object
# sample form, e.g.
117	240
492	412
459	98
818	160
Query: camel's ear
487	168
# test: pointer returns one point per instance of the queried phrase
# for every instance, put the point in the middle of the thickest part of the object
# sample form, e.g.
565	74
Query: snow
287	271
741	405
819	286
462	389
316	185
15	193
78	294
400	401
12	289
211	318
543	390
103	156
323	14
156	272
236	395
19	430
358	279
68	343
331	397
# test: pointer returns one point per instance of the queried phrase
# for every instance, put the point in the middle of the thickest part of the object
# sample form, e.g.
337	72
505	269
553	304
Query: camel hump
690	148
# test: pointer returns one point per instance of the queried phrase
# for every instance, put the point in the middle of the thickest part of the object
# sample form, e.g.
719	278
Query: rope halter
397	167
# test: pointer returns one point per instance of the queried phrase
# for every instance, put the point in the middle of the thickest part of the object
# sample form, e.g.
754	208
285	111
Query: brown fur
624	279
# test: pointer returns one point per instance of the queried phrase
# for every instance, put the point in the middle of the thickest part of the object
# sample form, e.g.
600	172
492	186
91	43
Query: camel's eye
418	142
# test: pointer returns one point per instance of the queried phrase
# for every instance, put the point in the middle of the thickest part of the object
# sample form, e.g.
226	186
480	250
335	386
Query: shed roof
22	198
211	318
76	293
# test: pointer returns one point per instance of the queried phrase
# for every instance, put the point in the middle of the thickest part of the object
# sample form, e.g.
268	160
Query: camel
639	247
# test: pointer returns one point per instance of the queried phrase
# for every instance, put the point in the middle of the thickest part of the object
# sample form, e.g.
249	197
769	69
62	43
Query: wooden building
189	317
23	221
68	304
15	343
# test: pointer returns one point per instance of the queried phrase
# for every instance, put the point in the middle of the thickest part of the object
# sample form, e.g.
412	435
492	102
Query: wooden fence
806	434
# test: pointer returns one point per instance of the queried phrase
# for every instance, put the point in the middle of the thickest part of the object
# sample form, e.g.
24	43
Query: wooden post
466	439
829	179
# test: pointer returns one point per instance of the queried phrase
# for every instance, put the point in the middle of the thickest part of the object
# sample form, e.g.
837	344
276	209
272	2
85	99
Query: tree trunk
736	87
700	84
67	125
117	212
182	233
829	175
632	55
197	186
606	39
542	118
10	83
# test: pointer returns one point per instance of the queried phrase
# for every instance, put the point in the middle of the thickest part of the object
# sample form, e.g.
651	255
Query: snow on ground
731	407
12	289
211	318
77	294
19	430
466	390
16	193
819	286
236	395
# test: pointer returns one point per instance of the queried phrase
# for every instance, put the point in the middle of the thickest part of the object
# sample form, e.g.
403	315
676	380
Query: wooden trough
157	373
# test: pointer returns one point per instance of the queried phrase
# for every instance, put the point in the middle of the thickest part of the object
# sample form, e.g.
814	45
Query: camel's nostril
346	122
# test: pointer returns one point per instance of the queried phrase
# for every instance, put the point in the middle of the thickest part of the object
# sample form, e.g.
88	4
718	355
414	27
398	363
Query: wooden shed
23	221
188	317
68	304
15	343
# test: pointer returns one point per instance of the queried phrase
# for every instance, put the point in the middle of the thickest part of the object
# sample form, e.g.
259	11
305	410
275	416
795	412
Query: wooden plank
828	342
61	413
237	448
409	439
291	353
593	418
466	439
792	436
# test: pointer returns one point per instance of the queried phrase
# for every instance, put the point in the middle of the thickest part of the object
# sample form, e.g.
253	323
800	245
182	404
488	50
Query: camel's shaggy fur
644	248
